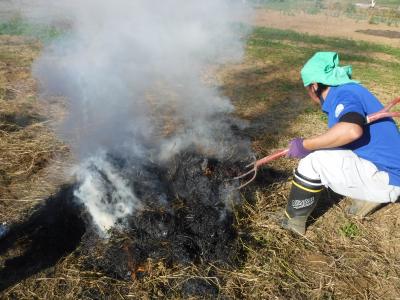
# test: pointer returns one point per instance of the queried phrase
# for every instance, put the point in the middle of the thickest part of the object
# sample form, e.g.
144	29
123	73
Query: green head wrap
324	68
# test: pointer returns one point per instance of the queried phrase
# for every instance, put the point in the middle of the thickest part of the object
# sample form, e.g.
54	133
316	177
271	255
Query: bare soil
385	33
326	25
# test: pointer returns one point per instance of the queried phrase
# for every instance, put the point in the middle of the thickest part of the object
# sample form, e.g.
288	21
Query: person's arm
339	135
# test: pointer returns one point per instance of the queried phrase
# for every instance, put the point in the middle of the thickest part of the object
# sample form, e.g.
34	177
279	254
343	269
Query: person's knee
395	195
306	166
319	163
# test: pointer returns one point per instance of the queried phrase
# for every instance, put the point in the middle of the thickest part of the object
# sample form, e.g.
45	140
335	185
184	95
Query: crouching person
354	159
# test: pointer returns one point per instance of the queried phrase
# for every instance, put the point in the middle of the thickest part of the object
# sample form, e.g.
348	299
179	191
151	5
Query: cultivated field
340	257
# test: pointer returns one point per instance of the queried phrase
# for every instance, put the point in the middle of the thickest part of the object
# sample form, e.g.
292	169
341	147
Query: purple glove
296	149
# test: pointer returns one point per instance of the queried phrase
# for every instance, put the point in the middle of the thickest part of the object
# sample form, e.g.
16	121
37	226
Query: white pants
349	175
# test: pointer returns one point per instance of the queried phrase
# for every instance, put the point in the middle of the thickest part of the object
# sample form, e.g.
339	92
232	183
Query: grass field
319	4
17	26
386	12
340	258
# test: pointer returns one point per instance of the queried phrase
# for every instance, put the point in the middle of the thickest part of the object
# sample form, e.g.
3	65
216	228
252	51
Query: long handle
277	154
380	115
391	104
384	113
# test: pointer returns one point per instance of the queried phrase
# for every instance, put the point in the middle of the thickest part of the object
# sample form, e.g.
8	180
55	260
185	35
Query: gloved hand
296	149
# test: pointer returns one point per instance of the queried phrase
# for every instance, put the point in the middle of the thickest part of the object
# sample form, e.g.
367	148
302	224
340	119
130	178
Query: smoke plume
132	72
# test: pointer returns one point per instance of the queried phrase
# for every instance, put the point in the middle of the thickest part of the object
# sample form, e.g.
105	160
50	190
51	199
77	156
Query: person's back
354	158
380	142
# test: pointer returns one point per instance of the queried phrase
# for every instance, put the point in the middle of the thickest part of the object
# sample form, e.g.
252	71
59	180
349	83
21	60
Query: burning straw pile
185	218
153	165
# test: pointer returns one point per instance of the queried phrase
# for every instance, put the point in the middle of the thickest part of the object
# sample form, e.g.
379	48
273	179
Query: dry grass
325	264
28	146
340	257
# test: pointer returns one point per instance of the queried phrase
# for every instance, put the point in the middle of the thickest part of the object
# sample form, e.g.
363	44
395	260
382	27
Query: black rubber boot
303	198
362	209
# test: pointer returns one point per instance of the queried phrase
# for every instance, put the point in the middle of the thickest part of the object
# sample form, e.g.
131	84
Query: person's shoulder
351	87
349	92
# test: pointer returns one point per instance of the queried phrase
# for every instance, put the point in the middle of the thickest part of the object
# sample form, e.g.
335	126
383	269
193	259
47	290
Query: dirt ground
325	25
385	33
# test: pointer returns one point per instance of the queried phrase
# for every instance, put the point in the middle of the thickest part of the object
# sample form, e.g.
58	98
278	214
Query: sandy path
324	25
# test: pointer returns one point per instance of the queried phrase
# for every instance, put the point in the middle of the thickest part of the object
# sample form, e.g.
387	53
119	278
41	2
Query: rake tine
257	163
251	180
245	174
252	164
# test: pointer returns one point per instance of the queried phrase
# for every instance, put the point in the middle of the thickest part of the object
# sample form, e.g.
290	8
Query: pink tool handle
384	113
273	156
380	115
391	104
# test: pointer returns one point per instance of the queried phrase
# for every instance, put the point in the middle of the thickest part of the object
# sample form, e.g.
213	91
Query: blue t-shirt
380	142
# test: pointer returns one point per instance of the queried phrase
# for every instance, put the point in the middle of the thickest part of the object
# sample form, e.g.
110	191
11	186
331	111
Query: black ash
185	217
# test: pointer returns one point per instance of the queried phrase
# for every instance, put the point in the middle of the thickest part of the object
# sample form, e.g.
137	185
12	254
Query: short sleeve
347	103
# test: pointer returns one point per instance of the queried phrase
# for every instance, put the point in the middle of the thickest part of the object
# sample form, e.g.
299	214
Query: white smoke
132	73
105	193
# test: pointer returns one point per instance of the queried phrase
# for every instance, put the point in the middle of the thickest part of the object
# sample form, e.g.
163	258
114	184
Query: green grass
350	230
288	4
290	49
261	33
17	26
321	4
389	16
393	3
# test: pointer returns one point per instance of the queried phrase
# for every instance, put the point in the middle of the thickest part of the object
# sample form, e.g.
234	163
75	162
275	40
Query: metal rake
383	113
